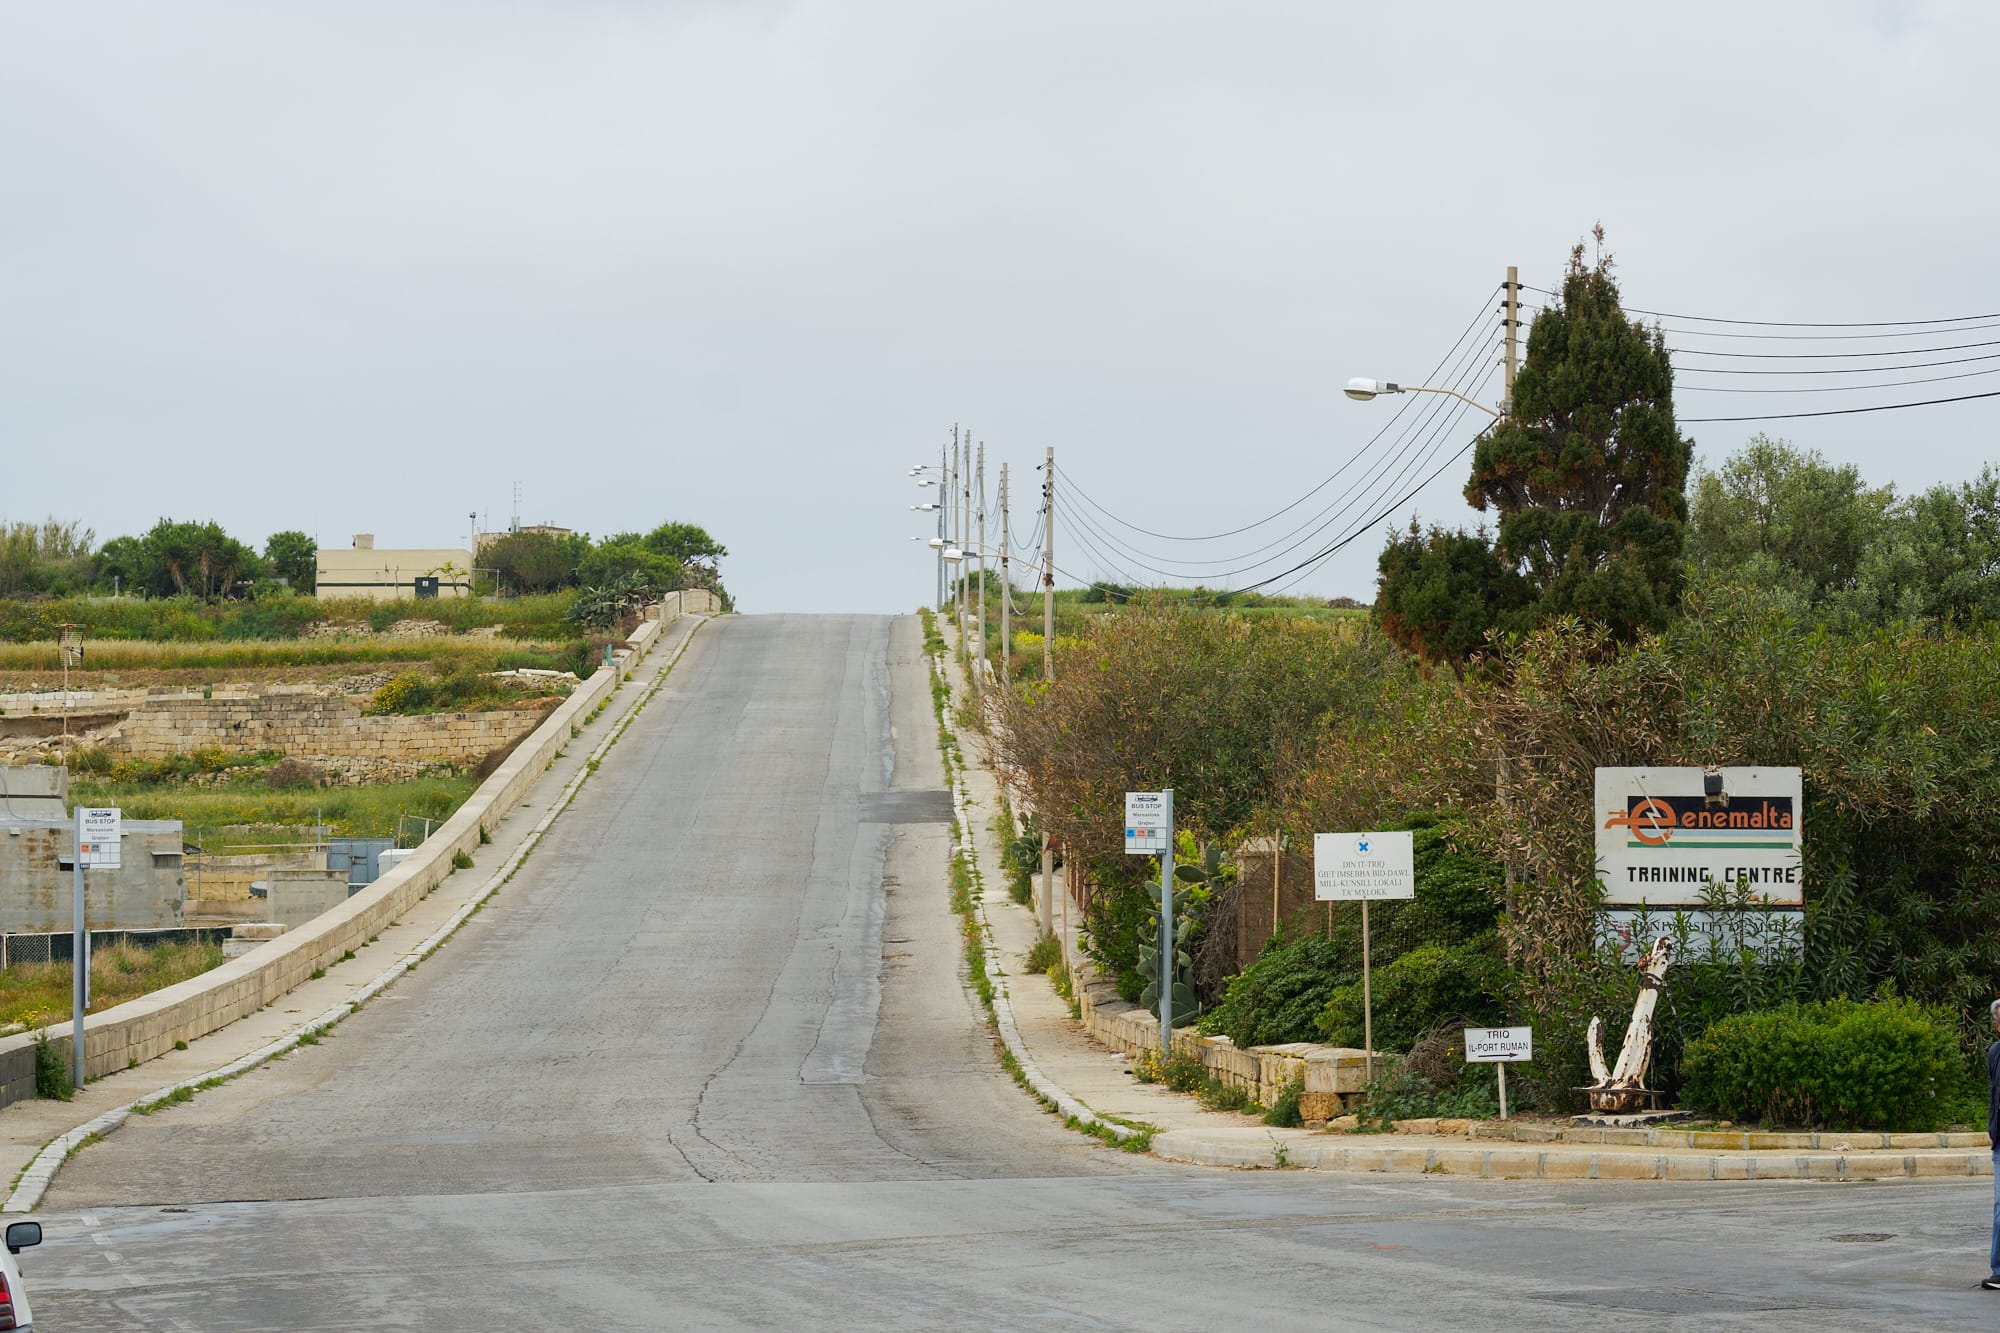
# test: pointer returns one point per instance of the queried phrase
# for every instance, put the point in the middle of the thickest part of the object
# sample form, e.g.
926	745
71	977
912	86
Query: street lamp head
925	481
953	555
937	543
1361	389
927	508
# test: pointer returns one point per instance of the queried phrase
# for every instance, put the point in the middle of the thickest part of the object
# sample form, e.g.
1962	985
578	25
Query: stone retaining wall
1335	1076
304	721
140	1029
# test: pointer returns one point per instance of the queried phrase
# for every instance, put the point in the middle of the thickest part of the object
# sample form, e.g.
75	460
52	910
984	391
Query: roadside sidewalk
36	1135
1056	1049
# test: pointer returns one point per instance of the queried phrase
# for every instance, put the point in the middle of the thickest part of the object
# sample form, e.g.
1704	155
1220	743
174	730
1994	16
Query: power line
1437	415
1850	388
1850	411
1484	315
1791	323
1850	370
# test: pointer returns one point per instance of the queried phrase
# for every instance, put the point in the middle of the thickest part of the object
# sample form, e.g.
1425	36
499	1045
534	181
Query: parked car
14	1311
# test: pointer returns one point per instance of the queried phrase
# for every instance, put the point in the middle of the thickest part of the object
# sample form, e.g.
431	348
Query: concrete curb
35	1180
1386	1156
1003	1012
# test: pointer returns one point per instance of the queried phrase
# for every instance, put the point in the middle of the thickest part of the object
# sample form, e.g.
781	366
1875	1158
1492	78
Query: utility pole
1512	323
939	603
979	613
1049	565
1006	580
960	486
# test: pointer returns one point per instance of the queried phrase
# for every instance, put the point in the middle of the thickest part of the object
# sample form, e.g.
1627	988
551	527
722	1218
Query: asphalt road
706	1063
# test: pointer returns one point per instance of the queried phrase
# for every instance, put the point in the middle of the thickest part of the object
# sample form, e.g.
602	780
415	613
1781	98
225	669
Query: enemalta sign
1665	834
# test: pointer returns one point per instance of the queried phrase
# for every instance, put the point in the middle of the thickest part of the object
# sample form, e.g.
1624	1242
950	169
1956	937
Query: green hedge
1431	986
1839	1064
1279	997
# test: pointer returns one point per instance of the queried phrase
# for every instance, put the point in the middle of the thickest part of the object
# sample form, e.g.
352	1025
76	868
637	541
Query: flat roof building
386	575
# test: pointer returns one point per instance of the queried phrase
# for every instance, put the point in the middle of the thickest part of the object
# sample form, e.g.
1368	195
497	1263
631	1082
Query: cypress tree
1586	474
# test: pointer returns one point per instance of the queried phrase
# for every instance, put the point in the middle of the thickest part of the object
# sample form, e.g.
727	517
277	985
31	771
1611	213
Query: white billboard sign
1149	822
101	831
1363	867
1665	834
1499	1045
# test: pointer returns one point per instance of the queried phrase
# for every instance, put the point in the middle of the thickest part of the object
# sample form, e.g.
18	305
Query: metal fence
55	946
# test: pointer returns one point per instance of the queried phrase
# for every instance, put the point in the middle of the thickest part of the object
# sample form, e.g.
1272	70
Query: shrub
1885	1064
1431	986
1284	1112
90	759
1046	954
52	1072
1279	997
287	774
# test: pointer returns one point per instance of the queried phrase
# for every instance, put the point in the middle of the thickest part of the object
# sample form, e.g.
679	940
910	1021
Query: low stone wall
305	721
140	1029
1335	1076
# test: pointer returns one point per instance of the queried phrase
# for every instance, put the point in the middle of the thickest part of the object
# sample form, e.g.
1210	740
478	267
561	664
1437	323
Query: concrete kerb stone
1003	1012
34	1181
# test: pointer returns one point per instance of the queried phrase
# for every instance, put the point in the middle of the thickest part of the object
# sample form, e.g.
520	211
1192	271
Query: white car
14	1311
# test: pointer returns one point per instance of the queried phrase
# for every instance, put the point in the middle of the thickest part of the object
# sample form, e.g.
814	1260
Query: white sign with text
1149	823
1499	1045
101	832
1363	867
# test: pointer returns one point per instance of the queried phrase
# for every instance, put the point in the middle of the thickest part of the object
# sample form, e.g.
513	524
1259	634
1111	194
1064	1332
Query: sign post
1361	867
99	836
1499	1047
1149	828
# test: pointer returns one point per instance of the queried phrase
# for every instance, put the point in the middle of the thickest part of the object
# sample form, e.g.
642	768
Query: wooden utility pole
1277	872
1049	565
979	614
1006	581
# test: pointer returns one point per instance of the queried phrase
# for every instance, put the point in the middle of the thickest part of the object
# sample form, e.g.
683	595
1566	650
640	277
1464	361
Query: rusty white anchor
1623	1089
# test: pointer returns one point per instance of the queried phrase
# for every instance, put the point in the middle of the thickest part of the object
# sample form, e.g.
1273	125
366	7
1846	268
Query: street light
1362	389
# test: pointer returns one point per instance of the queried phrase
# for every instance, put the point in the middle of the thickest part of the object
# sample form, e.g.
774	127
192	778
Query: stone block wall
1334	1076
309	722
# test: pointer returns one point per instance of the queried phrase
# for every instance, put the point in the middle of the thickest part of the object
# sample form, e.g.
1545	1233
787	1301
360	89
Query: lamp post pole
979	610
1006	580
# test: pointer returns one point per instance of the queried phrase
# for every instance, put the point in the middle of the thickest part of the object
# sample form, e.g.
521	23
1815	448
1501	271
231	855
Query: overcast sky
368	267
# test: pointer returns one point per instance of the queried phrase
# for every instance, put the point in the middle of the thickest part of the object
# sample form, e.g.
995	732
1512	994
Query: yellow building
385	575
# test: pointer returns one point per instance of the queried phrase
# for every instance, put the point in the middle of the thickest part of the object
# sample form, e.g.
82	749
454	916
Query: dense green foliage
201	562
1279	997
1429	987
1284	995
1884	1064
1585	474
1799	529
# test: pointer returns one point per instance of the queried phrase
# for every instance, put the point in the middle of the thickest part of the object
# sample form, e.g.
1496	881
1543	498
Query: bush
1279	997
53	1077
292	773
1842	1064
1431	986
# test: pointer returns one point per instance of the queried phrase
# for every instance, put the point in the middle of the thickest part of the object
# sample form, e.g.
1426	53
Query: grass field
35	995
245	816
126	655
273	618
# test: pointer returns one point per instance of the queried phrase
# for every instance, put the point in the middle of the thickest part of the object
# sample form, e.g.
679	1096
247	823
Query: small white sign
1485	1046
1355	867
102	834
1149	818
